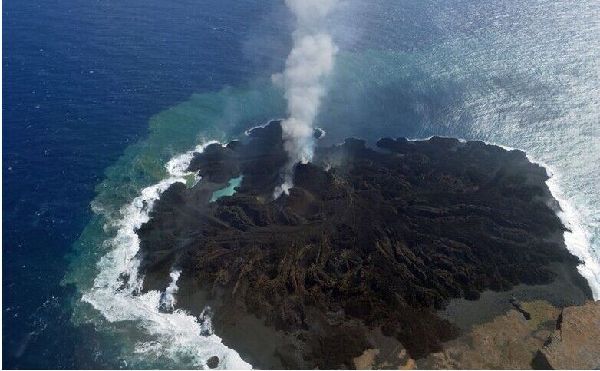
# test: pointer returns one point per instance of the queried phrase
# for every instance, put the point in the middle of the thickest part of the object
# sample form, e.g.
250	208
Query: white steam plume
309	62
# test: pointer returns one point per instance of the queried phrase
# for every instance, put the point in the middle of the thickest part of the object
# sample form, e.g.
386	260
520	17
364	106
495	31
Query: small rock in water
205	322
382	213
124	278
213	362
165	305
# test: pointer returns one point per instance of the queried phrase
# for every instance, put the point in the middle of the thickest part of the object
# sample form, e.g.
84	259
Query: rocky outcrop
362	252
509	341
213	362
575	344
538	335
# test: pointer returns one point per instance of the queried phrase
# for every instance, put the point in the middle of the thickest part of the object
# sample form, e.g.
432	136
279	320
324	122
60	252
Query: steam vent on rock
300	184
432	254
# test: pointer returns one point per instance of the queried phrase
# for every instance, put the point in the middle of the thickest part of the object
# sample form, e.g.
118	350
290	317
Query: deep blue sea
98	96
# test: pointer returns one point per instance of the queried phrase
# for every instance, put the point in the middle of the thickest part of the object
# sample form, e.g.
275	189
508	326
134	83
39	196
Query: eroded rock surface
551	338
575	344
360	254
509	341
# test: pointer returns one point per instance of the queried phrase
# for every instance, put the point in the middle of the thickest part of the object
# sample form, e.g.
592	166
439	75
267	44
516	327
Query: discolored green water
479	87
211	116
81	83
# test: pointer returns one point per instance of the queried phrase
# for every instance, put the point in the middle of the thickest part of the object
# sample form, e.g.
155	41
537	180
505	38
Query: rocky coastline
374	256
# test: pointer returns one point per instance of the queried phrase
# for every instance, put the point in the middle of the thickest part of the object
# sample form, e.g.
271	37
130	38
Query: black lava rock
367	239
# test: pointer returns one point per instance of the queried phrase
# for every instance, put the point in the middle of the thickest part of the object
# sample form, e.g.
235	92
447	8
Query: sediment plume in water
116	293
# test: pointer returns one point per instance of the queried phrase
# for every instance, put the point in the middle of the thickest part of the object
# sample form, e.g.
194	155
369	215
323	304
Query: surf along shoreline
250	321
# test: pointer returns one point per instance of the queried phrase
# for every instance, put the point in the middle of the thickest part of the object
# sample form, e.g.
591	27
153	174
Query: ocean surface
102	102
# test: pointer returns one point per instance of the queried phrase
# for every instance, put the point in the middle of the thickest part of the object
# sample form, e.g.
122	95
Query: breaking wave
577	239
117	289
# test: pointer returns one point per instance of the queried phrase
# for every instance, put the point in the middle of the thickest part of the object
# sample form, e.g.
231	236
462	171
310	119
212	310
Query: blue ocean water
98	97
81	80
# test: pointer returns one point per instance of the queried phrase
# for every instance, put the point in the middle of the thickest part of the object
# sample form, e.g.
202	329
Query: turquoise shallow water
227	191
80	81
522	75
202	118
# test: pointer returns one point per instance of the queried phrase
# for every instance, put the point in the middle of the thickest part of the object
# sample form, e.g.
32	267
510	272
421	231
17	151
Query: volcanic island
437	253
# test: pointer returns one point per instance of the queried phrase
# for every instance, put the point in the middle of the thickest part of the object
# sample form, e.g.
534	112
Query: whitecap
577	239
117	295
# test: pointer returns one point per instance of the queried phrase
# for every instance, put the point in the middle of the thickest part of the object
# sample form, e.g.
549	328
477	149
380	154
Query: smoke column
309	62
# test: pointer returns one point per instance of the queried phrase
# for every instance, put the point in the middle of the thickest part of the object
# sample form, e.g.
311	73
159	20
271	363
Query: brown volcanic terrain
362	255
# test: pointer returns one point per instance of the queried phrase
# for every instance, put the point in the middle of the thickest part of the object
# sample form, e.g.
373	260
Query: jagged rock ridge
369	241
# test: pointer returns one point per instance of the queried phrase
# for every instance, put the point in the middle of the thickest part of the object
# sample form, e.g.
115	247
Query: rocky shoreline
371	260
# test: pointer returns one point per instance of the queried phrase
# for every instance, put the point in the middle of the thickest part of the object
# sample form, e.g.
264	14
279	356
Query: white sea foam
167	299
177	166
261	126
116	292
577	238
178	335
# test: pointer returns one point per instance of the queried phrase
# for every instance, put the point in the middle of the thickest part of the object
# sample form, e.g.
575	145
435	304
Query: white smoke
309	62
